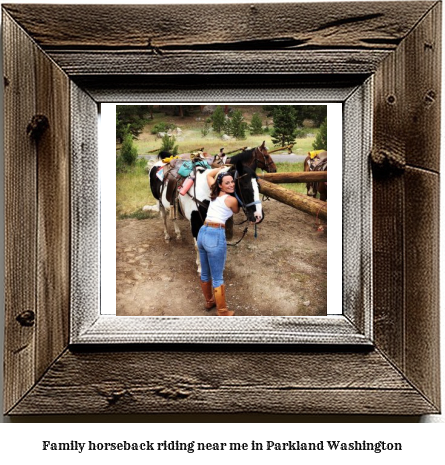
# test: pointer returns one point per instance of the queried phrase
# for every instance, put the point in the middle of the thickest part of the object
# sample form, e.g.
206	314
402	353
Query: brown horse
255	158
318	163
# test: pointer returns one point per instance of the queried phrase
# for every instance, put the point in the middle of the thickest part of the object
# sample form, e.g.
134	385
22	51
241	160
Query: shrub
205	130
129	153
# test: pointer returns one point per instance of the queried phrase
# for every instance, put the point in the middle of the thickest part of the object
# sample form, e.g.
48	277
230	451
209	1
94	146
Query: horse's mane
164	154
246	169
244	156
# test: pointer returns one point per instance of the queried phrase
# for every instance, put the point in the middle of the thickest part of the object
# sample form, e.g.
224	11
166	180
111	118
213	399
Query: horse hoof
167	238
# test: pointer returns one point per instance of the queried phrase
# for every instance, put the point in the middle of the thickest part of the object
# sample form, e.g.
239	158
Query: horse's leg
164	219
198	260
177	230
323	189
311	192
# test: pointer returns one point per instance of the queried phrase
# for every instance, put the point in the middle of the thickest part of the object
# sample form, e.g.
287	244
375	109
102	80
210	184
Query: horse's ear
263	145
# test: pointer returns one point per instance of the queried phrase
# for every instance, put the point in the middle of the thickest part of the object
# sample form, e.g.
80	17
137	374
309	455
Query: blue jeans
212	247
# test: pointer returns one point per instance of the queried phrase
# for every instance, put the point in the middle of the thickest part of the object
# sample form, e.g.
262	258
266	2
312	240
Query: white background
20	441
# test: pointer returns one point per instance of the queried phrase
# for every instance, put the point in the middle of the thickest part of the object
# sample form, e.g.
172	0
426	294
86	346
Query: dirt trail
281	272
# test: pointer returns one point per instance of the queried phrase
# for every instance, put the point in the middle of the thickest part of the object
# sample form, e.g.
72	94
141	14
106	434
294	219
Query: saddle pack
175	173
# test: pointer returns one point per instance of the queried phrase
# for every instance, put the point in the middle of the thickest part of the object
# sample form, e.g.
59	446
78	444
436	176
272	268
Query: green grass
132	190
292	168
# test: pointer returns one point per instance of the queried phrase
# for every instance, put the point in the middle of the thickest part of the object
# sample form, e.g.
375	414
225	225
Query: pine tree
168	144
321	141
227	126
285	125
238	125
218	118
256	125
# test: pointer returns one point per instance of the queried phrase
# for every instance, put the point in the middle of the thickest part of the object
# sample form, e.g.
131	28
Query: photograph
221	210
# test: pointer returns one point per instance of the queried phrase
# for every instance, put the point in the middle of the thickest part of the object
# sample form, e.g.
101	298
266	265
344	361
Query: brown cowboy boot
208	294
220	297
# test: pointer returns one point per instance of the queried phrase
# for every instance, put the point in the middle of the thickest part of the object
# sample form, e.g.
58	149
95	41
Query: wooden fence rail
301	202
303	176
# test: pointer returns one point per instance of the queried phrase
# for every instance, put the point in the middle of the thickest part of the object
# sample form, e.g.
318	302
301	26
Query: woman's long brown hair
216	188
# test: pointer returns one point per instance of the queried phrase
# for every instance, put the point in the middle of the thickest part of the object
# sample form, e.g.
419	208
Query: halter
241	202
266	164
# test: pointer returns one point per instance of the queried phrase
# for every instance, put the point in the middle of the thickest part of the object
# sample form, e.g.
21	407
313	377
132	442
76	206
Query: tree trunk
301	176
299	201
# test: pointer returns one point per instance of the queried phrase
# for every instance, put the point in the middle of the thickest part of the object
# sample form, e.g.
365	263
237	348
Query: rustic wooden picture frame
57	70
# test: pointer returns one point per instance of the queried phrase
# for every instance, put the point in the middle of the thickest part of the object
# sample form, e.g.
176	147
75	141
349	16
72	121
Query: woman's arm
211	175
232	203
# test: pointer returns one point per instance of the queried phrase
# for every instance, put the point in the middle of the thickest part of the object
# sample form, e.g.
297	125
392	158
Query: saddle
172	179
319	162
175	174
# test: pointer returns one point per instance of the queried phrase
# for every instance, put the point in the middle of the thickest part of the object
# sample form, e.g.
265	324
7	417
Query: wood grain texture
219	88
128	63
423	92
53	230
422	364
357	208
20	212
222	381
261	26
85	211
307	176
389	142
405	229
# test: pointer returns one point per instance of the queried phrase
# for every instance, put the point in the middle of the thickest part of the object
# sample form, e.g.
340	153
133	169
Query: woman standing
212	243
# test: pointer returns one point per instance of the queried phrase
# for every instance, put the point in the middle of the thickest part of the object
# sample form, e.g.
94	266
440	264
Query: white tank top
218	211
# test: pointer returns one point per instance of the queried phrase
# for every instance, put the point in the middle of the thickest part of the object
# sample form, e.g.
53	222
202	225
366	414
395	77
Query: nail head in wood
430	97
387	162
37	126
26	318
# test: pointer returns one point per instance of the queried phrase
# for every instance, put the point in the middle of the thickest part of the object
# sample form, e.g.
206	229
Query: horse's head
264	160
248	192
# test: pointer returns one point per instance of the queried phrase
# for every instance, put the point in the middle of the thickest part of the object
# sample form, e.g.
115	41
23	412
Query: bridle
266	163
241	200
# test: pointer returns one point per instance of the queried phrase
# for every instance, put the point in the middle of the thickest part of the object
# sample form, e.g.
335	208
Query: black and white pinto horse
194	204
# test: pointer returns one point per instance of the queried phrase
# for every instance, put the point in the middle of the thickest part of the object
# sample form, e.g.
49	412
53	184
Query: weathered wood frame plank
398	43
